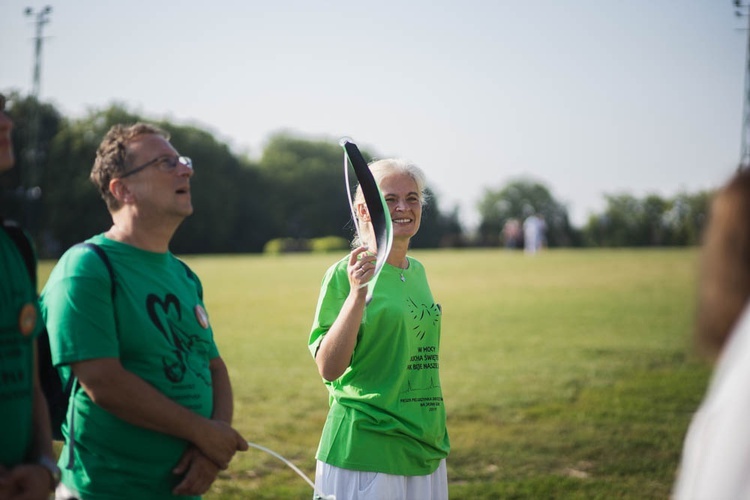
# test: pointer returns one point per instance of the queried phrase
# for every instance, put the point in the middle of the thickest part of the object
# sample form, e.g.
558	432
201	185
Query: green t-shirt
16	354
386	410
156	333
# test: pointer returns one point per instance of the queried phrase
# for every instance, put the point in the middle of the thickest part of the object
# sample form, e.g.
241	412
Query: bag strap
192	276
72	383
22	242
107	263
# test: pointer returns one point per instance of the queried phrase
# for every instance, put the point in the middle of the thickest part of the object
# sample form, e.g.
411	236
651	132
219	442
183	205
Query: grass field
565	375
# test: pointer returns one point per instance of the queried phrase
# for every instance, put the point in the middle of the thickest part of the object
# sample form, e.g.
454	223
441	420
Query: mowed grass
566	375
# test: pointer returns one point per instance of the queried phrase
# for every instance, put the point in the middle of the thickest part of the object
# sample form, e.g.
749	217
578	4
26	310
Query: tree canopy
517	200
295	191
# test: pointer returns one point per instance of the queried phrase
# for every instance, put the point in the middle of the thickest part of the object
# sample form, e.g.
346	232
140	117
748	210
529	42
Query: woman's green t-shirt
386	411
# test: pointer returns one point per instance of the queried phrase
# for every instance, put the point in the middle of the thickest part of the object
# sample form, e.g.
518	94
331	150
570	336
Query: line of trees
627	221
294	192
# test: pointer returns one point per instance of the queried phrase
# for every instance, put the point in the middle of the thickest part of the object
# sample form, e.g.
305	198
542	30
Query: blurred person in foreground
716	454
27	462
150	416
385	435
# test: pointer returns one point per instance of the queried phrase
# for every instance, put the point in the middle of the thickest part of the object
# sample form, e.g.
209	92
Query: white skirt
347	484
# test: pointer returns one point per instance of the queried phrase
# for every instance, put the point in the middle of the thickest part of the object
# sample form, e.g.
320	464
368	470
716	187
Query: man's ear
362	212
120	191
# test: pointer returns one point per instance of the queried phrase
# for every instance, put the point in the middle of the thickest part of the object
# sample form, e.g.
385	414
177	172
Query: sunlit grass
567	374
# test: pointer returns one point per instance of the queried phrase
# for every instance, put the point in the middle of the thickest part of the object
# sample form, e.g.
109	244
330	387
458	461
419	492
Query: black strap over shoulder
103	255
72	383
192	276
17	234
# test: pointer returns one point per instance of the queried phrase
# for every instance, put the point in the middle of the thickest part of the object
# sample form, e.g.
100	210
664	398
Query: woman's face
404	203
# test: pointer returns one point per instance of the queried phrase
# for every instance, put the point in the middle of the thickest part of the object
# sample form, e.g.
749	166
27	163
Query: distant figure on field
534	228
385	436
512	233
716	452
150	414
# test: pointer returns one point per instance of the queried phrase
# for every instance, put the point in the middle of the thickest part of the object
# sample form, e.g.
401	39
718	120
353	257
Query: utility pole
742	9
31	176
42	18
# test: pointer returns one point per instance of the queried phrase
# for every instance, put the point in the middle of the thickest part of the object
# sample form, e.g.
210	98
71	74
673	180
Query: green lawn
565	375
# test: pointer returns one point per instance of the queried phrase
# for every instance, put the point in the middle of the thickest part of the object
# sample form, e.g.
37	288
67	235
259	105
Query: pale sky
586	96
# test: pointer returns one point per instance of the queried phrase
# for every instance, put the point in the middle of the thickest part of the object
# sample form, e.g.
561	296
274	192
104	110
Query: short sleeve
77	308
333	292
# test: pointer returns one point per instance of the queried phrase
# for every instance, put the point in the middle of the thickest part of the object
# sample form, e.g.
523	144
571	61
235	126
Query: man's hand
198	472
220	443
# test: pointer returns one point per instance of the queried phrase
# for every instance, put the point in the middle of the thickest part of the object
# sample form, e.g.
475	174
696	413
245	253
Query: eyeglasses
164	163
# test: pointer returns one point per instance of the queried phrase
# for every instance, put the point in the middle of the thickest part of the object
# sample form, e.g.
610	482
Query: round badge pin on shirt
201	315
27	319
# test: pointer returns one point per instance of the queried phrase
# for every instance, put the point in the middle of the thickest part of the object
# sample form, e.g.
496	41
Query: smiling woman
386	424
403	186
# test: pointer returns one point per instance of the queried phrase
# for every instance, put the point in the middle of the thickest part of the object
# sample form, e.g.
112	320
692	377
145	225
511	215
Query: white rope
301	474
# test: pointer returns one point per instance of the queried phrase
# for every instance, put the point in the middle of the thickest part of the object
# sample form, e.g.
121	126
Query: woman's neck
397	257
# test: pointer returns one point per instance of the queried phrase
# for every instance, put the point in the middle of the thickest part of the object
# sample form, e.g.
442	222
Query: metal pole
42	18
745	155
741	10
31	177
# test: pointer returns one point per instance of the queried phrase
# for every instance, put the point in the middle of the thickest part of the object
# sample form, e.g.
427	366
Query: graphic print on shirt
426	318
15	365
166	315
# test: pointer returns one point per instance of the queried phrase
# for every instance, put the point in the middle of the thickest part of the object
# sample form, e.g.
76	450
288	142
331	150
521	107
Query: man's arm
223	398
132	399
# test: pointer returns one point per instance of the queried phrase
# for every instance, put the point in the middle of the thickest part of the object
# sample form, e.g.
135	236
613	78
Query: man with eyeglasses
27	462
150	416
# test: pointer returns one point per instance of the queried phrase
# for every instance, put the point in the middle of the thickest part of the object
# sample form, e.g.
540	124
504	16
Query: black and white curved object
380	216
